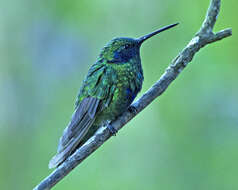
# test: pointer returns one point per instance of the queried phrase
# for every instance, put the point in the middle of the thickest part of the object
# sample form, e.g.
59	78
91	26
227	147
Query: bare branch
201	39
211	17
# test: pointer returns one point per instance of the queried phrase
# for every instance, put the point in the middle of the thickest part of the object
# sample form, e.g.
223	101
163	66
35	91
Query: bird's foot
132	109
112	130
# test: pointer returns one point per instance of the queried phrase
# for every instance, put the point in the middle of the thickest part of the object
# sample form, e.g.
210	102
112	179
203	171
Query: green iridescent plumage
109	88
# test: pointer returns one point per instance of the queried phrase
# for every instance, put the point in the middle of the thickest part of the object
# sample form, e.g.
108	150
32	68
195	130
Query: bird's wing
93	98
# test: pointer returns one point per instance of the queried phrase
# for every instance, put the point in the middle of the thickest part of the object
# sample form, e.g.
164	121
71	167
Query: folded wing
92	99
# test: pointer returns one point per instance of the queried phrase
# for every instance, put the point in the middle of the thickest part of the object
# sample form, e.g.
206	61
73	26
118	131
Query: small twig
201	39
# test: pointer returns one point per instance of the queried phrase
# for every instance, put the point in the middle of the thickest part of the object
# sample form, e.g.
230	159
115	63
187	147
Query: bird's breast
126	80
128	85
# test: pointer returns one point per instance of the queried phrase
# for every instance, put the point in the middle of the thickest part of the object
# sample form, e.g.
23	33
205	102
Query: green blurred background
186	139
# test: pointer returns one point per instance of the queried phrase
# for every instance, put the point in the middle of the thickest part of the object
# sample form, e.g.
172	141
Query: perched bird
109	88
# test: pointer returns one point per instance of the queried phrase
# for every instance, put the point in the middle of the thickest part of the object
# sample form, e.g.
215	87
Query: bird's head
122	50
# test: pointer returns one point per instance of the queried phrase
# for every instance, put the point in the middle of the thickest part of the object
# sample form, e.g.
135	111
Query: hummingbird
111	85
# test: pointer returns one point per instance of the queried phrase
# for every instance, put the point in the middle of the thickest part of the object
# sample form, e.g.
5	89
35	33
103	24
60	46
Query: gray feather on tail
82	120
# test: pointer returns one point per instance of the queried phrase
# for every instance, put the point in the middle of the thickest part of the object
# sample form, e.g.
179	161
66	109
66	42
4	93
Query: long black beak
143	38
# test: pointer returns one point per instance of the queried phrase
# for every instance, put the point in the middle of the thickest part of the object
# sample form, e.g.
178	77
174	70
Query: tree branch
204	36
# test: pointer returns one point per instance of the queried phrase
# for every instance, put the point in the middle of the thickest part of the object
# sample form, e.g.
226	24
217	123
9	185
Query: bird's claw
112	130
132	109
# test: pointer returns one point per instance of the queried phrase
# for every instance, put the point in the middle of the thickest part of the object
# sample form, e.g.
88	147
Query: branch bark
204	36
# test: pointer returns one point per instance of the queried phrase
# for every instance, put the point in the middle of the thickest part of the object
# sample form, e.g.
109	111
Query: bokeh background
186	139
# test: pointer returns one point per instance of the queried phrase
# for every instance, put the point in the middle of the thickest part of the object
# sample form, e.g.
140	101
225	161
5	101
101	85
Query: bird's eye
127	46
